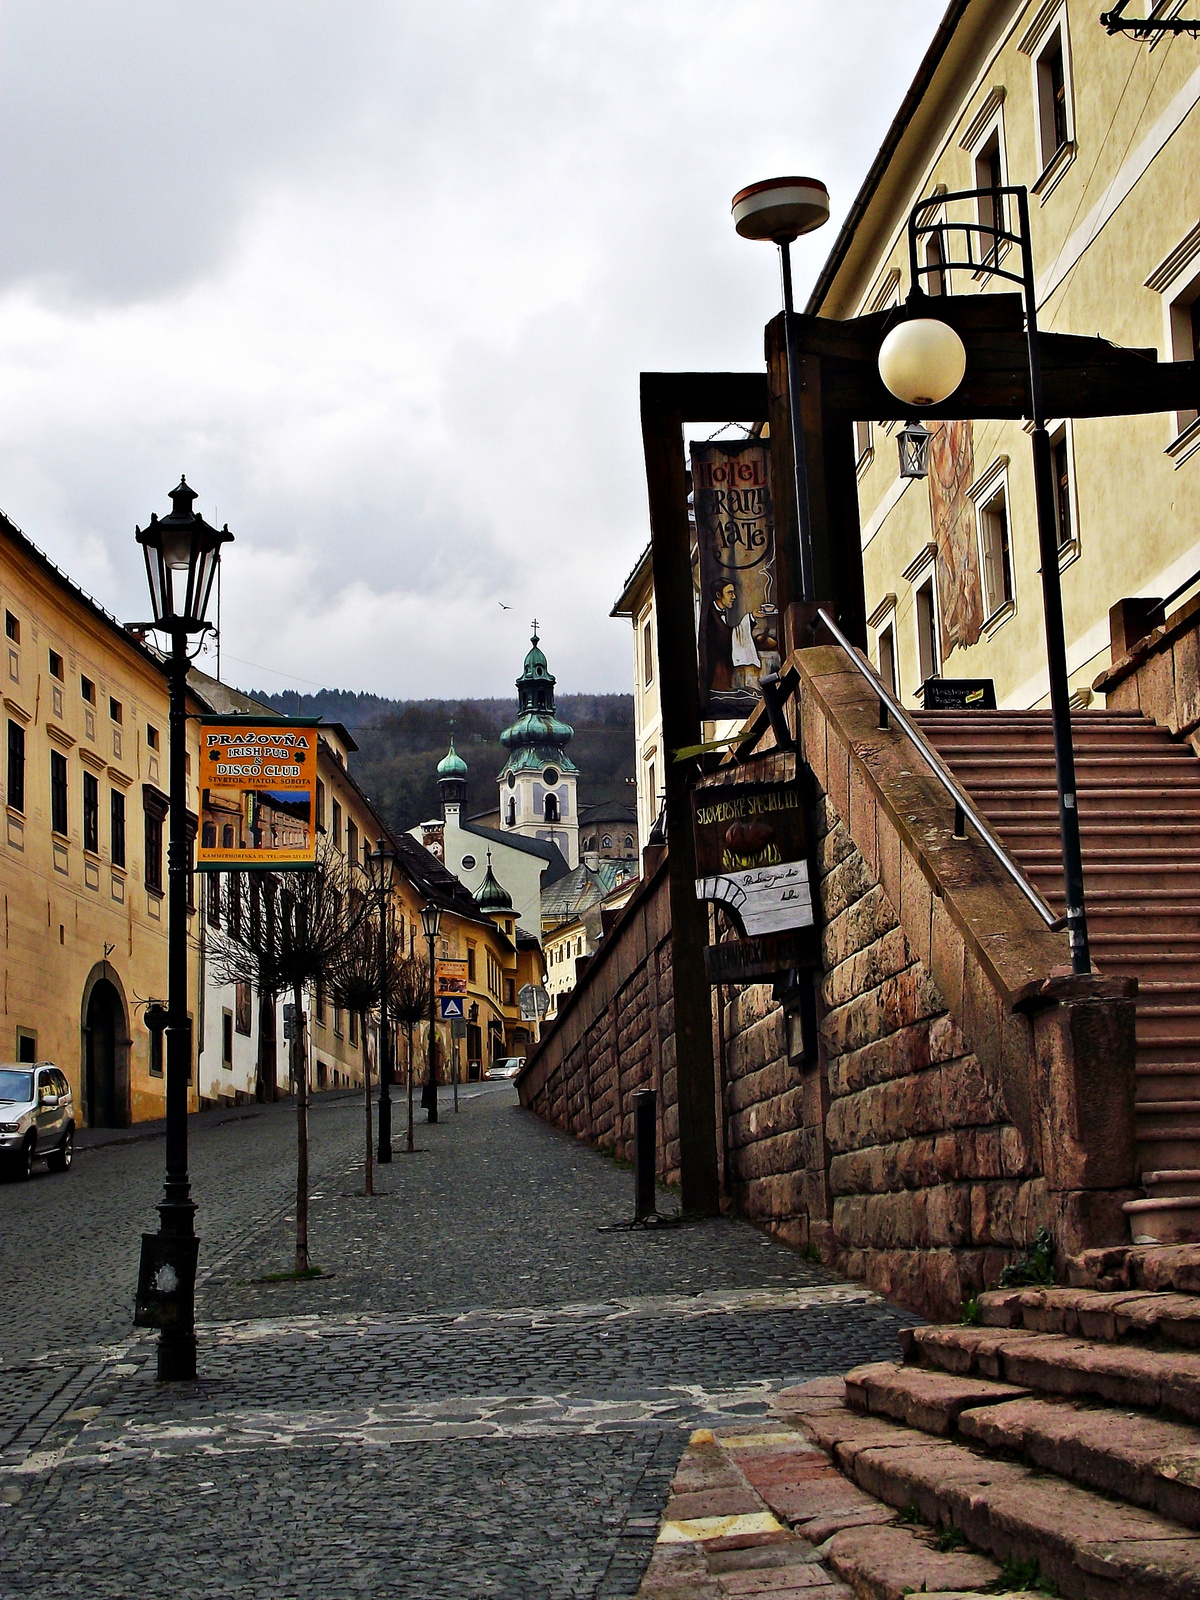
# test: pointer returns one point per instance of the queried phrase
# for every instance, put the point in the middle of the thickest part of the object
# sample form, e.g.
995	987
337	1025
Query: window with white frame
990	495
887	655
863	450
1177	280
925	611
1066	522
984	143
1047	44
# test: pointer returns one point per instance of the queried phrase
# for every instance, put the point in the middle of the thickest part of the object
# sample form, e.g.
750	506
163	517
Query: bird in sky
502	606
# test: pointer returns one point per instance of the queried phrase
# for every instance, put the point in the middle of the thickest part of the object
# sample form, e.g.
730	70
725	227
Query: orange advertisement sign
258	779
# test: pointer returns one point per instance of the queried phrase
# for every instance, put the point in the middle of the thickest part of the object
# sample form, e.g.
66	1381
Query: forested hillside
402	741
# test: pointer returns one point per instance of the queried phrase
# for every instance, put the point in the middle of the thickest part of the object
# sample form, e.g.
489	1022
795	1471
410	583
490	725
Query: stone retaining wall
967	1089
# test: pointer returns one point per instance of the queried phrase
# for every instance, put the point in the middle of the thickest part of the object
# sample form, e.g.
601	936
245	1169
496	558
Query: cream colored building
637	605
1105	133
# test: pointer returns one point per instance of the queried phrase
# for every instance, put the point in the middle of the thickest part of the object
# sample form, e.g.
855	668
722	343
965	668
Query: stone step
1055	1364
1148	1461
1089	1546
1174	1269
1109	1315
1164	1219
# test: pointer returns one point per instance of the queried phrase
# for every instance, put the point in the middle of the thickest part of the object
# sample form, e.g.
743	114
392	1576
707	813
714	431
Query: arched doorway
105	1052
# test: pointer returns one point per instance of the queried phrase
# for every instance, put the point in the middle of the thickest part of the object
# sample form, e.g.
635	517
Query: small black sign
761	960
958	694
166	1281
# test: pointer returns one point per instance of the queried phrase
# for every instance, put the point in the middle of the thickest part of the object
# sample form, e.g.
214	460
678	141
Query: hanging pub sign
258	779
451	976
739	605
752	858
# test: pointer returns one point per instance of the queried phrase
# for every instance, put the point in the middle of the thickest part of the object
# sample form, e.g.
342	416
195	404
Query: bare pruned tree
410	1005
293	933
354	984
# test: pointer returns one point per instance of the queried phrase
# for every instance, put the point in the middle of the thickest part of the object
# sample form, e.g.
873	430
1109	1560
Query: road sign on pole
452	1007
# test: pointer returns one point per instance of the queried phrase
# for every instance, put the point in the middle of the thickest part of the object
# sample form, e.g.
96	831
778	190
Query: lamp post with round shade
382	864
922	361
779	210
182	553
431	922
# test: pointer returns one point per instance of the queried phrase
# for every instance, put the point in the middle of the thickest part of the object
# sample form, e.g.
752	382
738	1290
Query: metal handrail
964	811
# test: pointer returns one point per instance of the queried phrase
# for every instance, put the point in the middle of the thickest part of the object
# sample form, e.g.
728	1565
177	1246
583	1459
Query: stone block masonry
967	1089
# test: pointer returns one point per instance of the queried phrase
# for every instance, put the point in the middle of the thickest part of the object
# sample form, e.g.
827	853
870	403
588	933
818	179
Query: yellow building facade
83	853
1105	133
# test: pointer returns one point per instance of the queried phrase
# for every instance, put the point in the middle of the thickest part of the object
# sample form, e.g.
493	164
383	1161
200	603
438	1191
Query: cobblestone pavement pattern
483	1395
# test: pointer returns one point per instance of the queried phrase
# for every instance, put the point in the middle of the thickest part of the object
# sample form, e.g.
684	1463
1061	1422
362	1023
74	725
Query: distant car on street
37	1118
508	1068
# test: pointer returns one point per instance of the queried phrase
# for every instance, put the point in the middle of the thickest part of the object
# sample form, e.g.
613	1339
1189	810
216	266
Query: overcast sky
380	277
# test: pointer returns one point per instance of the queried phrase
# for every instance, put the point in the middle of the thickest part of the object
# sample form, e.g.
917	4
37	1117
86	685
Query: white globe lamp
922	362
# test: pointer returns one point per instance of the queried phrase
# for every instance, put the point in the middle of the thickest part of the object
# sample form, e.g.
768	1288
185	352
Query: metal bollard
644	1144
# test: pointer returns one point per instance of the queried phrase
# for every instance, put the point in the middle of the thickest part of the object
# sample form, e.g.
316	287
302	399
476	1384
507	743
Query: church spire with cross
538	780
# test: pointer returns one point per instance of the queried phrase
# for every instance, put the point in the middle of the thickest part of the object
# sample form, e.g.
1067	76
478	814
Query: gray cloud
381	279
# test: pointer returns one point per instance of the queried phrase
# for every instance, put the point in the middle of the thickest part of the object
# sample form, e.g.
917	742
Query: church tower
538	781
452	785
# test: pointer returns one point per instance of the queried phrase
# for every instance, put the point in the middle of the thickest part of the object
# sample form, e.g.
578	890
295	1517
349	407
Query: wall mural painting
739	607
960	594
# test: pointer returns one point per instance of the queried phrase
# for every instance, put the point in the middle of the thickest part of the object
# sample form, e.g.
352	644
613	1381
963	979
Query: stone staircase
1139	812
1059	1437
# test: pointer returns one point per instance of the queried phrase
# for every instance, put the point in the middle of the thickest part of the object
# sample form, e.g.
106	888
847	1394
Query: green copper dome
491	895
537	738
452	764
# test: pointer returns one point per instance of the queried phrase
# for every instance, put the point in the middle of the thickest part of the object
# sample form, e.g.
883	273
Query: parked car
508	1068
37	1117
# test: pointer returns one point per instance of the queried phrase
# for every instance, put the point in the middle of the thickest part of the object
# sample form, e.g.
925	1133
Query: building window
935	280
320	806
337	824
87	689
241	1008
156	1052
995	552
213	899
512	812
16	766
469	863
1053	113
647	656
551	808
470	963
12	628
58	792
91	812
319	1004
352	839
606	842
116	827
151	736
925	608
354	1030
989	174
863	448
1064	513
56	666
887	657
227	1039
1185	337
116	710
510	991
26	1045
154	844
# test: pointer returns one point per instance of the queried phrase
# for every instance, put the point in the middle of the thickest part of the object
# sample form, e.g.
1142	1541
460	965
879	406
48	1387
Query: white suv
37	1117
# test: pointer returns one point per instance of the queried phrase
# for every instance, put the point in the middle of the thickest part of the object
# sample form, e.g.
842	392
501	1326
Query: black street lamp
431	922
922	361
382	862
780	210
182	552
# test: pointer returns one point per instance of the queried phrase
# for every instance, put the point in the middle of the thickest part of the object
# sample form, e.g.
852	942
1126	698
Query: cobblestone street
484	1394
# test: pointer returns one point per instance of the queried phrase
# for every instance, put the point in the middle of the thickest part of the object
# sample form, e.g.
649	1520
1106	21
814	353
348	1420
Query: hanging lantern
913	440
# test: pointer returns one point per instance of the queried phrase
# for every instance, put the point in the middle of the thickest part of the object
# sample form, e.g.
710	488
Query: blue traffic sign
453	1007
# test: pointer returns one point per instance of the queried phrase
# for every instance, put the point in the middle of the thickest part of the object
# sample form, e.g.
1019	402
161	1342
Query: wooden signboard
752	858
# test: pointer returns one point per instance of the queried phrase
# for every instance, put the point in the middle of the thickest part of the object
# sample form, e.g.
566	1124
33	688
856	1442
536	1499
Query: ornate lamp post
780	210
922	361
382	862
182	552
431	922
